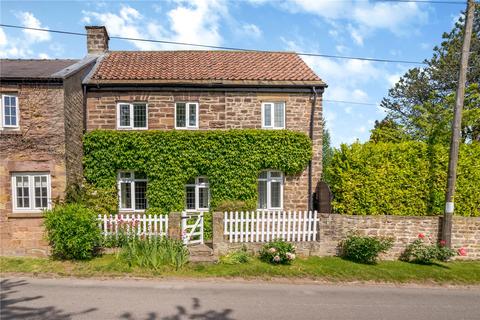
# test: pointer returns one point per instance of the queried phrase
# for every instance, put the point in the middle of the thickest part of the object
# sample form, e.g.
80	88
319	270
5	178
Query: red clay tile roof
213	66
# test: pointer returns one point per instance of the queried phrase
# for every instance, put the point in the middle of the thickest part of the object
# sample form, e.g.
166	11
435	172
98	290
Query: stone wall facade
403	229
221	110
37	146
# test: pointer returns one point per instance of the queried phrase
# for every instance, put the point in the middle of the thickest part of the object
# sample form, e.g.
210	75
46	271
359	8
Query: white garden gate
192	227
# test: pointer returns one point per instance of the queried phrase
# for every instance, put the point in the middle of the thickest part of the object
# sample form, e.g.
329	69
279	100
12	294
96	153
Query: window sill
26	214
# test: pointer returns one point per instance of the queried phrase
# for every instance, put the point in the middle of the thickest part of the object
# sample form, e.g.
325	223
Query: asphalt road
26	298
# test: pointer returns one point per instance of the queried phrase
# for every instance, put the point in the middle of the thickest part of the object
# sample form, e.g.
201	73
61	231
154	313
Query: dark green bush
231	159
423	251
72	231
278	252
364	249
407	178
154	253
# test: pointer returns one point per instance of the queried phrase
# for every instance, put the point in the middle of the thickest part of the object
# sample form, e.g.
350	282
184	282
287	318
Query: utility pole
456	127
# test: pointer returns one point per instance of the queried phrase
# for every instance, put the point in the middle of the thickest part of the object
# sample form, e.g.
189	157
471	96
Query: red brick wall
220	110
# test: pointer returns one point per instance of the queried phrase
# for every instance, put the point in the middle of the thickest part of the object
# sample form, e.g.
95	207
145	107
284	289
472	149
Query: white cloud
251	30
348	110
362	17
196	21
43	55
3	37
27	19
362	129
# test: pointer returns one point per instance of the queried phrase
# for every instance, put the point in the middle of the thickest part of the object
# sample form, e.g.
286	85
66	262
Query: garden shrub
72	231
234	205
278	252
237	257
154	253
407	178
101	200
423	251
364	249
231	159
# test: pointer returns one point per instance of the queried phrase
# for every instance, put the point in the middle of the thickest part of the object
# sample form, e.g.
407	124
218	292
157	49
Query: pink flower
276	258
462	252
272	250
290	256
443	243
421	236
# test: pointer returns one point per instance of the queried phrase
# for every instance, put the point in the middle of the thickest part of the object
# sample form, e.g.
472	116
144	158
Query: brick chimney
97	39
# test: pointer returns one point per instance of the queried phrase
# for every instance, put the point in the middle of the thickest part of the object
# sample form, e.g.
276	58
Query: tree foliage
421	103
232	161
407	178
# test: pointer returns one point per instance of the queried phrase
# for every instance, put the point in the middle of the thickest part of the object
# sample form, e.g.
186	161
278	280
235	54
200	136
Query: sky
375	29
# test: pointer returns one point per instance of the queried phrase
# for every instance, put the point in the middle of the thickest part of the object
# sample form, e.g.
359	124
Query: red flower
462	252
421	235
443	243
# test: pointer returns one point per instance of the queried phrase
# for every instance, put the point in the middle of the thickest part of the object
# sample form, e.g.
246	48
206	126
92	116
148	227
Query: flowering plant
423	250
278	252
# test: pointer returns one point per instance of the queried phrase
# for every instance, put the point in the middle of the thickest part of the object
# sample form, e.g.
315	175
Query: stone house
47	105
207	90
41	132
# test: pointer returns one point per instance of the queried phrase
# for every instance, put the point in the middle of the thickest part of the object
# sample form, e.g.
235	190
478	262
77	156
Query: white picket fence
134	225
264	226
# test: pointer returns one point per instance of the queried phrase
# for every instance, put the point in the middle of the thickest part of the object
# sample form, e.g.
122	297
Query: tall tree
327	151
421	103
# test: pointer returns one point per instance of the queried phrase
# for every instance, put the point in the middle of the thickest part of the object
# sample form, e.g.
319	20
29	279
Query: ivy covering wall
406	178
230	159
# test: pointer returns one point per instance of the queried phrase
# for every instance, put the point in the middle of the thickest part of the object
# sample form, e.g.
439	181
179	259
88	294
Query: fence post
174	230
218	240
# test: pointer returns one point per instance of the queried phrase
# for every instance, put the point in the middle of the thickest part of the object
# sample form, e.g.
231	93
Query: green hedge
402	179
230	159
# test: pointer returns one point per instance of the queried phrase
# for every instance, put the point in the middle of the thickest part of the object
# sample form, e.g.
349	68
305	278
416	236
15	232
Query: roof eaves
88	77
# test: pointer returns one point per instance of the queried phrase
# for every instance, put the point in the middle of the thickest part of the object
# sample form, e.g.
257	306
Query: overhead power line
351	102
309	54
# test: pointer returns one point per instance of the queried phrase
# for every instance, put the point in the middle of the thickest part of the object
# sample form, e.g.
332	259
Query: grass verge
327	269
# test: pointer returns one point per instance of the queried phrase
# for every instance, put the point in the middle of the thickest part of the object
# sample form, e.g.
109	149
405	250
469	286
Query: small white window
132	191
9	111
197	194
273	115
186	115
132	116
270	190
30	191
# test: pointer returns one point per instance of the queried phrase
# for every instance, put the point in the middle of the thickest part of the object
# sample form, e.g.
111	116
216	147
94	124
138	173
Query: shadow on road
10	308
195	312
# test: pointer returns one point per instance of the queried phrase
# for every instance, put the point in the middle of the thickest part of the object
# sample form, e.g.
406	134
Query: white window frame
197	185
132	182
132	120
31	191
269	179
2	112
272	113
187	115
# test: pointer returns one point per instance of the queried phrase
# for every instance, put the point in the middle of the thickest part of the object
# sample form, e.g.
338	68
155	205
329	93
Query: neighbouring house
41	128
47	105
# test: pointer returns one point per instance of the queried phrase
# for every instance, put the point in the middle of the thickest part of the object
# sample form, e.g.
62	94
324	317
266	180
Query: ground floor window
132	191
197	194
270	190
31	191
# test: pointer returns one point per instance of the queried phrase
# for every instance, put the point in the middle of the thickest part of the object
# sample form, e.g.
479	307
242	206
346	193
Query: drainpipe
84	87
310	169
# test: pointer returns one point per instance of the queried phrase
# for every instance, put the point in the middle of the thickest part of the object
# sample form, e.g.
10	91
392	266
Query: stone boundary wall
404	229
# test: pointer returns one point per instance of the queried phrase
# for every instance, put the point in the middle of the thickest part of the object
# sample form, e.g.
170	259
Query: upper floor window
270	190
9	111
132	116
132	191
30	191
273	115
197	194
186	115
